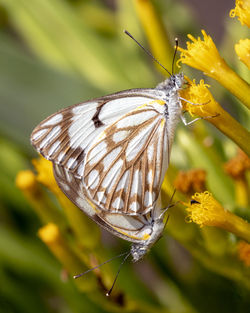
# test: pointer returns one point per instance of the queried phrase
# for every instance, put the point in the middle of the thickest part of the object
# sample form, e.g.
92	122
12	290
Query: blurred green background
54	53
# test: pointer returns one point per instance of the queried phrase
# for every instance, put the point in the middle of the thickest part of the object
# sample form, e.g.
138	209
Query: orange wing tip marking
161	102
141	106
144	237
92	205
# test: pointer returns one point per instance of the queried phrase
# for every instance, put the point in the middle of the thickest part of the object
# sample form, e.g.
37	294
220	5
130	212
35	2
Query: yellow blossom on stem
242	48
53	238
215	114
81	224
45	175
26	181
242	10
203	55
244	252
204	210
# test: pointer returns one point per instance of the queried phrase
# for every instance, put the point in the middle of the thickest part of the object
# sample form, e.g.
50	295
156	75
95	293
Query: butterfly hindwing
124	167
131	228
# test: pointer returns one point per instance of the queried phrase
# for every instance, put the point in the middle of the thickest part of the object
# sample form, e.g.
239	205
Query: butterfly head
172	84
138	251
177	81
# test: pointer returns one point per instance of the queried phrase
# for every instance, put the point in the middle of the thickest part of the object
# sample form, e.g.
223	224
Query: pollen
242	11
205	210
242	48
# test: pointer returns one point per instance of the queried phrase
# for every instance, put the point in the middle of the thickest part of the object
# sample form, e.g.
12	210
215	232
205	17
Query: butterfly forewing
124	167
65	136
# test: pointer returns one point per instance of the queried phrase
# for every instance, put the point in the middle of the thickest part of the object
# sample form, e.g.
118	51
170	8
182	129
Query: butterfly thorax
138	250
171	84
173	108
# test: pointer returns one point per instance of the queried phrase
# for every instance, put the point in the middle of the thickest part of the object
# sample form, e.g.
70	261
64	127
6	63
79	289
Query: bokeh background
55	53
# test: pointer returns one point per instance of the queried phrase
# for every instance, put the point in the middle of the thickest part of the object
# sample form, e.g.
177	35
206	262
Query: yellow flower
244	252
242	48
203	55
51	235
242	10
204	210
45	174
26	181
214	113
79	222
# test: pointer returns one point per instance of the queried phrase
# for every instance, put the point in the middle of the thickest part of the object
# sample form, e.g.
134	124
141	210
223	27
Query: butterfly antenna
151	55
93	268
169	206
116	276
175	51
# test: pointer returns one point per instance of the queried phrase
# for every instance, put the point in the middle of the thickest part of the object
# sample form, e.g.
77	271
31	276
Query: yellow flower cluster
210	110
204	210
242	48
242	11
203	55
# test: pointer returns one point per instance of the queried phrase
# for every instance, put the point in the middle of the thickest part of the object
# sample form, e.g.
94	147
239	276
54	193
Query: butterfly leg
193	102
196	119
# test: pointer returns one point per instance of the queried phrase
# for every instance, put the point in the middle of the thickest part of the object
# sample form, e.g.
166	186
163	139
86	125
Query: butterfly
110	156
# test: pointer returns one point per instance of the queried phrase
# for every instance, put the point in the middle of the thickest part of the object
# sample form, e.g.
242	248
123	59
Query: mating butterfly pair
110	156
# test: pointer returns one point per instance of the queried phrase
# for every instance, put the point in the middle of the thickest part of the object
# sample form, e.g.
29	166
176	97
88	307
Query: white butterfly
110	156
